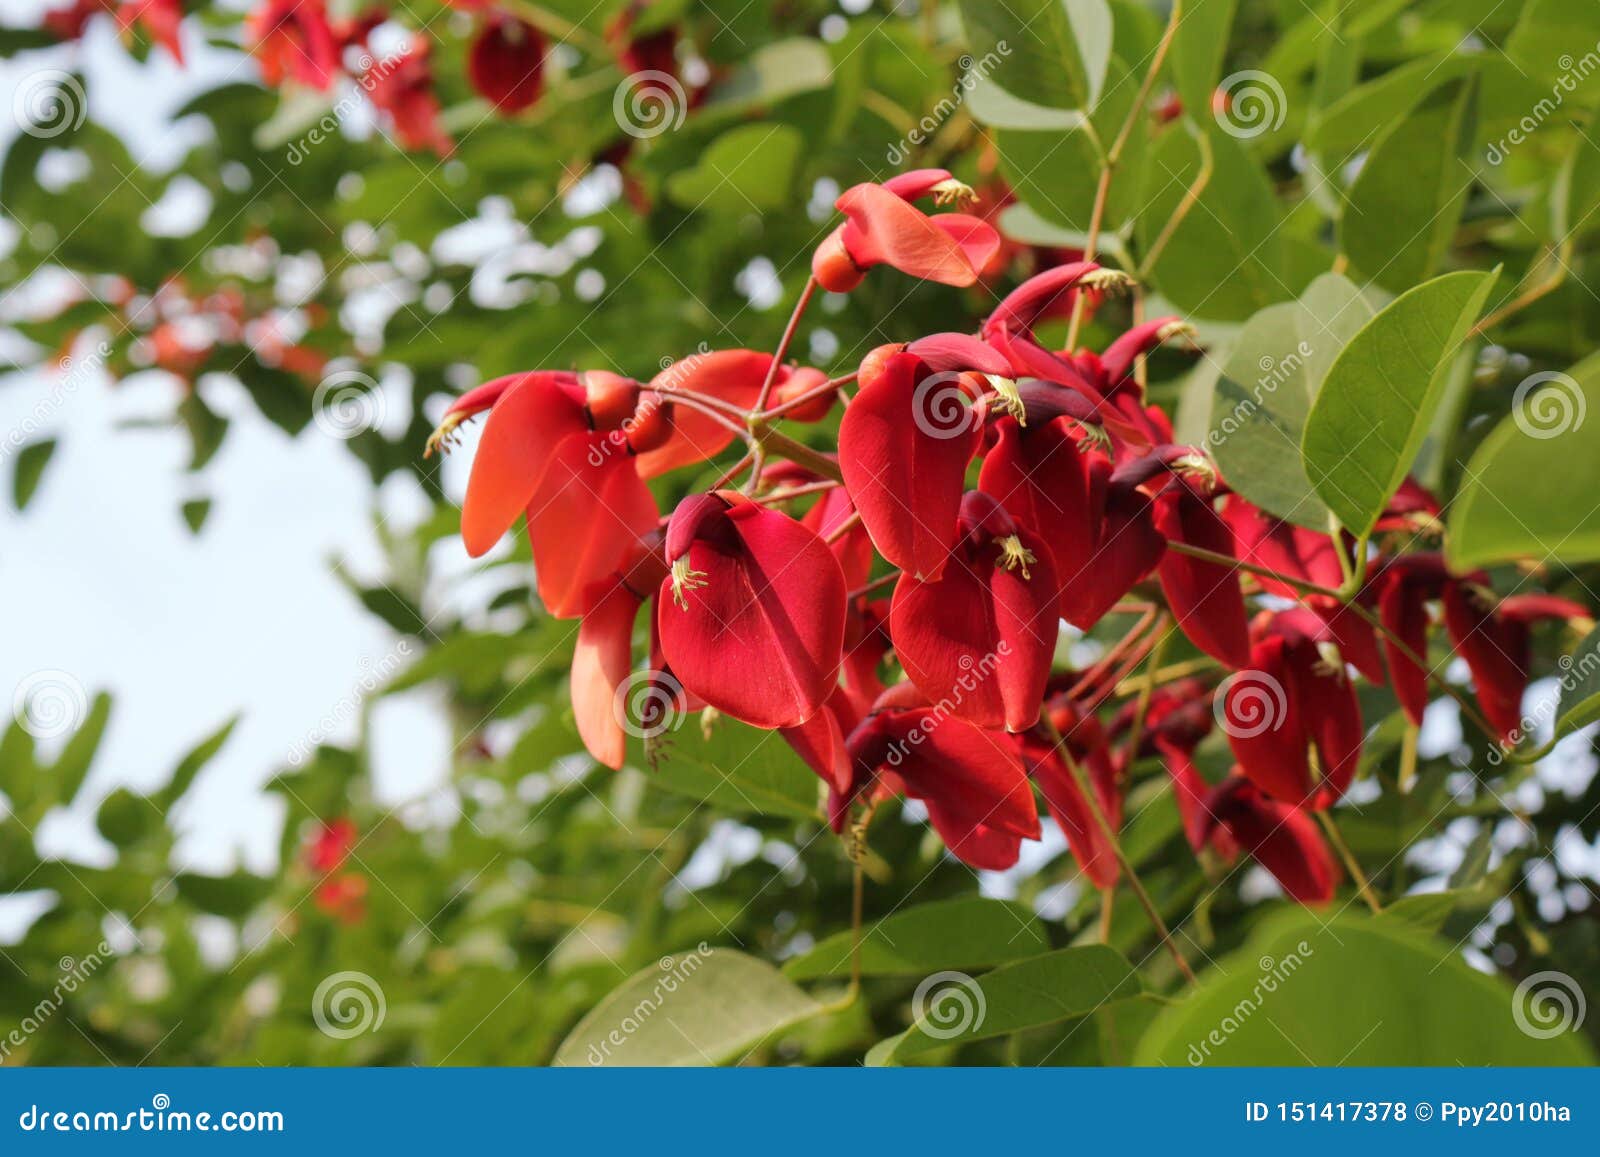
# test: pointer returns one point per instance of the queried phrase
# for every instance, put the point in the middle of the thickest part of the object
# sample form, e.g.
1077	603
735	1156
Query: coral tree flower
752	613
883	227
506	63
1049	763
1281	838
970	780
1292	718
1205	596
978	640
905	460
603	657
402	88
293	40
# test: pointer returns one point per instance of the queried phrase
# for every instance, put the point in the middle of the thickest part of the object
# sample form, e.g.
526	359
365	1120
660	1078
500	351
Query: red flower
1292	719
293	39
1283	839
884	228
1493	639
343	897
1280	547
1204	596
752	613
604	653
402	87
161	20
970	780
506	63
733	376
1084	742
1178	717
329	847
904	445
979	639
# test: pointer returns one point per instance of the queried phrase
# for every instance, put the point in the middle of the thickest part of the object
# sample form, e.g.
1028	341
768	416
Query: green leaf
1226	259
1198	49
1575	193
1548	37
1402	212
1529	488
750	168
966	933
1361	116
195	512
1052	53
1579	702
1475	860
1379	396
952	1007
191	765
773	73
738	769
233	897
29	471
1268	380
1353	991
704	1007
125	818
72	765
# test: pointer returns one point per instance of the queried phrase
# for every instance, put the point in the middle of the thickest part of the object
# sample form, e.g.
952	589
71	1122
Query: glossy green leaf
1046	52
1528	491
748	169
702	1007
1198	48
28	471
951	1007
967	933
1349	991
1268	379
1550	41
1401	214
1380	394
736	768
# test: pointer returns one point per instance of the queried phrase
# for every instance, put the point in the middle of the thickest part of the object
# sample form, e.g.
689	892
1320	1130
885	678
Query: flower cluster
1003	488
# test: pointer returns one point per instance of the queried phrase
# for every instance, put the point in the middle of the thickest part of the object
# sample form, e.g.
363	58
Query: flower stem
783	342
1363	885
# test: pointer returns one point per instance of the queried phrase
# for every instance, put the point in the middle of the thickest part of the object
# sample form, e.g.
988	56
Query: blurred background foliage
554	238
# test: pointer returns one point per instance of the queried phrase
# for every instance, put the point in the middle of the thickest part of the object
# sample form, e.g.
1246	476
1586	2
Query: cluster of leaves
1414	146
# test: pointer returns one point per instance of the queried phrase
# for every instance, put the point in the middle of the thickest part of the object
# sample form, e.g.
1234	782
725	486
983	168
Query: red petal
1205	596
520	437
1281	547
586	518
1065	799
884	230
1283	840
1040	476
1024	305
1126	550
729	375
506	64
600	664
820	742
1496	652
904	477
761	634
1403	610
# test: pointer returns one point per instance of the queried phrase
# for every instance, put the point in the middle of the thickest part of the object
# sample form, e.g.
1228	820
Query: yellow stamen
1177	329
684	578
1107	281
1014	556
1329	660
1199	466
953	192
1005	392
443	435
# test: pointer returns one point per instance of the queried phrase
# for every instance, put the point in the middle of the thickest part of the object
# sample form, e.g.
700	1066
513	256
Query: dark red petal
600	664
820	742
762	623
1127	549
1496	652
1064	797
1403	610
506	64
532	416
970	779
904	446
1281	547
586	518
854	548
1042	478
1262	717
1024	305
1205	596
1192	794
1283	840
